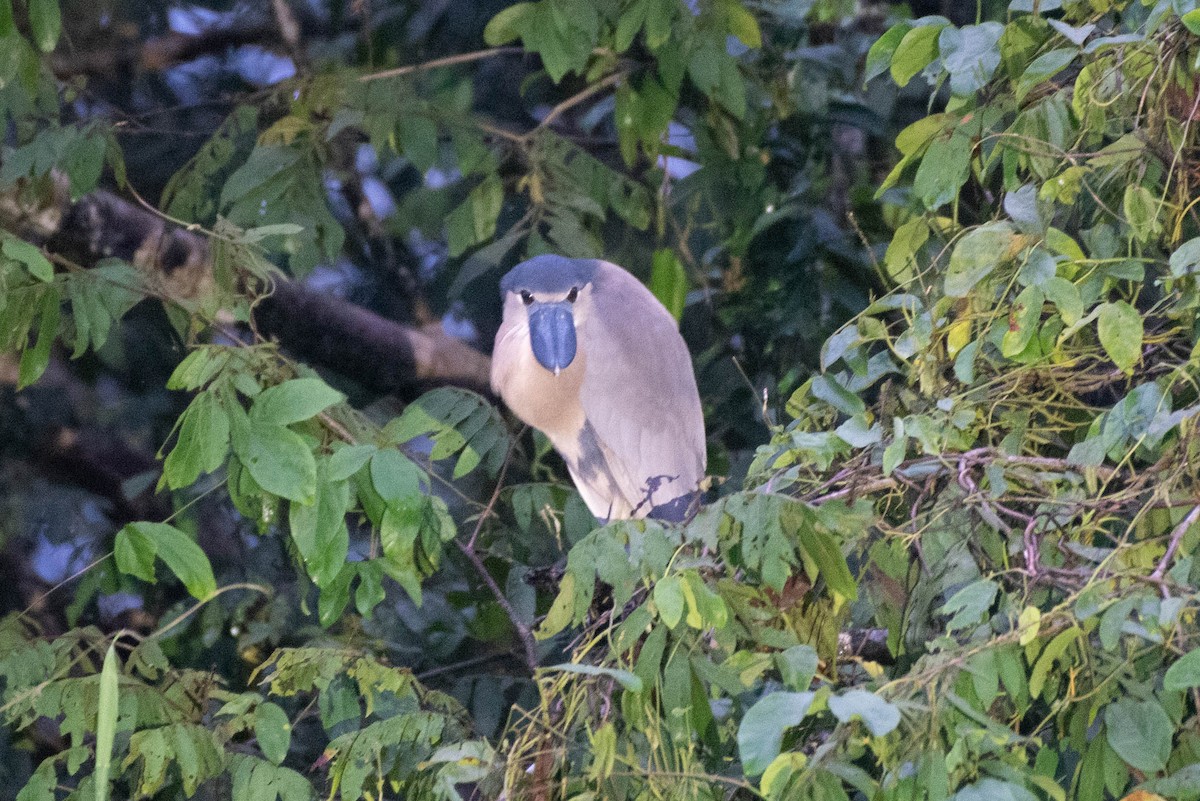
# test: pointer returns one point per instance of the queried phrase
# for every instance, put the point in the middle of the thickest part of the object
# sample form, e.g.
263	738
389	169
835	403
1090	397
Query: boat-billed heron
589	356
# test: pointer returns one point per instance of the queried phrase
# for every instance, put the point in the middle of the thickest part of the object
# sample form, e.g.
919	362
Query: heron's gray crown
550	274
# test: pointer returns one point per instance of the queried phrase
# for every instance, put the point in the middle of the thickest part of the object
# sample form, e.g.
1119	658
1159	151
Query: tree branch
116	52
1176	538
324	330
447	61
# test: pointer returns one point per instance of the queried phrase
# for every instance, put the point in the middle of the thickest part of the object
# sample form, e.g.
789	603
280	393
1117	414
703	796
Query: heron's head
553	295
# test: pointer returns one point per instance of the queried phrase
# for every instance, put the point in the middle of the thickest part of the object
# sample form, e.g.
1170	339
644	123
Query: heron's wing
639	394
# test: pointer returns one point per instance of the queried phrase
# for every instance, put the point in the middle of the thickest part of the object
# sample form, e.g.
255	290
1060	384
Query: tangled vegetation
961	567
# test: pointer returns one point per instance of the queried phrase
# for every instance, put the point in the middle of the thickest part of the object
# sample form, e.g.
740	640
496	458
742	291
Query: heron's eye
526	298
574	293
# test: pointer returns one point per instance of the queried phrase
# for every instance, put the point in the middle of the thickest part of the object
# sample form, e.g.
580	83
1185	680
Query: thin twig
337	428
474	661
947	462
489	509
468	548
1033	548
574	100
448	61
1176	538
194	608
524	632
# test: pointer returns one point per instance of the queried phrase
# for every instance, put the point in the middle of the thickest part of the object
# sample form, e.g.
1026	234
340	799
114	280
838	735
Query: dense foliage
961	565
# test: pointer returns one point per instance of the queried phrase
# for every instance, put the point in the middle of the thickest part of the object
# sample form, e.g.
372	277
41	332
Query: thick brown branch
115	50
373	350
324	330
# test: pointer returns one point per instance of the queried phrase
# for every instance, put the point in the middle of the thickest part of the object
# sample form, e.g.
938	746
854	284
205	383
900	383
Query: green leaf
915	52
760	734
30	256
668	281
254	779
193	749
969	604
198	368
880	716
203	442
879	57
778	777
7	25
182	556
83	163
35	359
562	609
630	22
370	592
705	608
394	476
134	552
894	452
1049	656
829	389
668	597
943	171
917	136
797	666
319	528
659	17
293	401
1140	732
1024	319
1191	21
1029	624
1186	258
971	55
975	256
742	24
1184	674
398	535
1120	328
45	23
1065	296
42	785
418	140
348	460
280	461
993	790
273	731
106	722
825	554
474	220
336	594
265	162
626	679
506	26
254	235
1043	68
1141	212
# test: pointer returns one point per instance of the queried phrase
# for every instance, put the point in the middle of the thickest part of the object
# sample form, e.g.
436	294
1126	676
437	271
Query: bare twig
574	100
1033	548
448	61
860	480
191	610
454	667
489	509
524	632
1176	538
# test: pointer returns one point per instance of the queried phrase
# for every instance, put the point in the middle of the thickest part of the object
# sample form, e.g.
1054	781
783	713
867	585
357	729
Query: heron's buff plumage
625	414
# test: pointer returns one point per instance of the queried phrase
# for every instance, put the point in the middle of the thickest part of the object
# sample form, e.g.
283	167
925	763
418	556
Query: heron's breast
548	402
